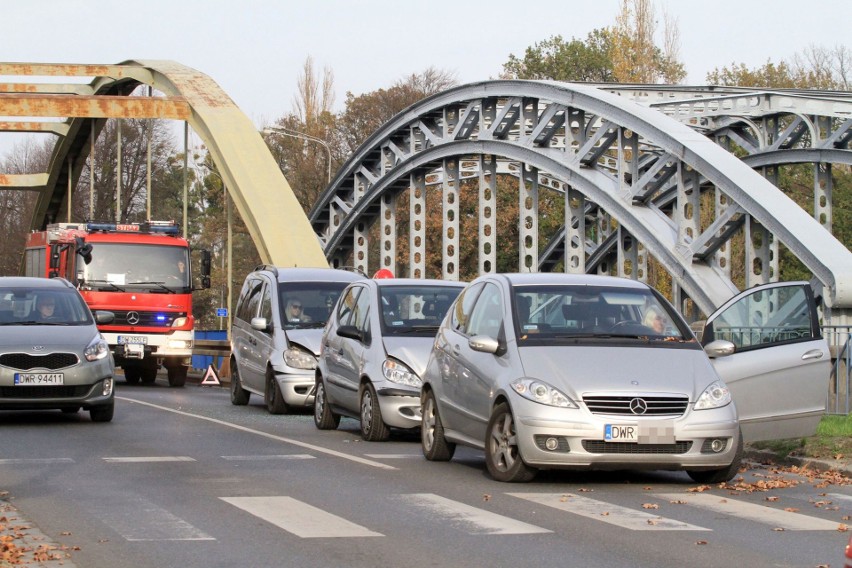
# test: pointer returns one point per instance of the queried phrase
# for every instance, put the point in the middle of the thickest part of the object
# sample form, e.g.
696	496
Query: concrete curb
765	457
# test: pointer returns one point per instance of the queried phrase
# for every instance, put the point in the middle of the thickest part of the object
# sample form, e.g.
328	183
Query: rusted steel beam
85	106
54	88
32	182
64	70
60	128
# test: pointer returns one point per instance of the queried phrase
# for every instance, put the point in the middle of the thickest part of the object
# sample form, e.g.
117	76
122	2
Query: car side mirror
352	332
260	324
719	348
484	344
103	317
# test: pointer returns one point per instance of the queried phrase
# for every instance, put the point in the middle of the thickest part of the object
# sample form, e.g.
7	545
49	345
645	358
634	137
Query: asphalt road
183	478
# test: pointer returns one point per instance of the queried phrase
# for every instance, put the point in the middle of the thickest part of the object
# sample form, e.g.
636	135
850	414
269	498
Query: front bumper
171	345
400	408
675	443
83	396
297	389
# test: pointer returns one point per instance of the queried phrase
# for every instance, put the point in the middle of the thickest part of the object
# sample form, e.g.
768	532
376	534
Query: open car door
779	372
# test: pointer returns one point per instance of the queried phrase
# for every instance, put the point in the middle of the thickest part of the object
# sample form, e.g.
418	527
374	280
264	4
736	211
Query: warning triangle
210	377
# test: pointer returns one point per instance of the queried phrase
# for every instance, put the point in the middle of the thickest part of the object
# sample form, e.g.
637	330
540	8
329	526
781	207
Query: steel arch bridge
644	171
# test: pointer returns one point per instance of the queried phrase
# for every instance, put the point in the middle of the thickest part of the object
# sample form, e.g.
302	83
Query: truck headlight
98	348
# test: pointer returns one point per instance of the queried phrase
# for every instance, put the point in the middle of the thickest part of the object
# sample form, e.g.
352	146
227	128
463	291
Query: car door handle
813	354
456	349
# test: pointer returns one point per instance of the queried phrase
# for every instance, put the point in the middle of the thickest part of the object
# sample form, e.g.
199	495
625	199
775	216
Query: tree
558	60
636	58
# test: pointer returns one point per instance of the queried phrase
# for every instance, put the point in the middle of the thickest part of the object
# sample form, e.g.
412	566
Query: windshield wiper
107	282
160	284
415	329
31	322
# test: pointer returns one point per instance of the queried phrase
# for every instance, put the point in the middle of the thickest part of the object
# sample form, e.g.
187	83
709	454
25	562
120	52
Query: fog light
107	387
178	344
717	445
551	444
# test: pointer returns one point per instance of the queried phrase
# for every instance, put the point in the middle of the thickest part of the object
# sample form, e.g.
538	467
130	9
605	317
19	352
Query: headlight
98	348
716	395
541	392
299	358
179	322
396	372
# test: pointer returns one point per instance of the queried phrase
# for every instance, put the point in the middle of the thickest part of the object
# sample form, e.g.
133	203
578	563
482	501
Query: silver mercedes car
51	353
374	350
545	371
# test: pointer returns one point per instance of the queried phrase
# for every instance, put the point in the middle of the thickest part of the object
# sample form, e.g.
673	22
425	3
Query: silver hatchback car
546	371
52	355
374	351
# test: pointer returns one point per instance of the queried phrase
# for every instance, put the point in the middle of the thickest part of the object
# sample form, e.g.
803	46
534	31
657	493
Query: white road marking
292	441
270	458
137	519
298	518
767	515
145	459
470	519
840	497
624	517
393	456
25	461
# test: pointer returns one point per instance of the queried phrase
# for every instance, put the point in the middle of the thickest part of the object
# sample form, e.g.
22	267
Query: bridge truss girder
623	161
262	196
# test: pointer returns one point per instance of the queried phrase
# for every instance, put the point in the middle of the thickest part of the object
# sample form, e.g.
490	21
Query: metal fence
839	339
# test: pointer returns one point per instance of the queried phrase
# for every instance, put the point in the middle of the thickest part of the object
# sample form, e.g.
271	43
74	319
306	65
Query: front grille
656	405
44	392
26	362
601	447
147	319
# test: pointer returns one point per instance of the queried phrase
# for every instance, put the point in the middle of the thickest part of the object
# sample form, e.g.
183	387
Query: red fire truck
138	271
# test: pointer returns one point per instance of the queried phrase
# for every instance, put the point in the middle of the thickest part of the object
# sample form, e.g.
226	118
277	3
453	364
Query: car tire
435	446
177	375
373	428
102	413
272	394
239	395
324	418
502	454
132	374
724	474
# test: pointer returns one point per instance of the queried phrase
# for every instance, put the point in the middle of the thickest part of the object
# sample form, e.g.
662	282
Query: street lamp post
295	134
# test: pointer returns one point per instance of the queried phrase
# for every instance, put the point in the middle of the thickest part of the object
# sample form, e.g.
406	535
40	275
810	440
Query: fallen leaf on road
650	506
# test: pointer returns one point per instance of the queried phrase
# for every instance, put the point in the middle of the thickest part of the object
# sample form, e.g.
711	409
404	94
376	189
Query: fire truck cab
141	272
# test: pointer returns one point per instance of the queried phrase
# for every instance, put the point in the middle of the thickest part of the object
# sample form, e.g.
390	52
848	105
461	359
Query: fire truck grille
146	319
26	362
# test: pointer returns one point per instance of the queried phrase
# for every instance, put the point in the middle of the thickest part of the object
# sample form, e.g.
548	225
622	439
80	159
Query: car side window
487	315
266	304
249	299
361	313
463	306
766	317
346	306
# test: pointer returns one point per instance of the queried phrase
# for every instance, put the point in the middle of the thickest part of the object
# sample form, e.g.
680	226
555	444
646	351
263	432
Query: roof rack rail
269	267
352	269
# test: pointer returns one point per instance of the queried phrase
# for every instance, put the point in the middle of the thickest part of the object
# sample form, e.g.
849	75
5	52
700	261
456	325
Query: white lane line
301	444
624	517
145	459
394	456
25	461
758	513
840	497
298	518
470	519
137	519
269	458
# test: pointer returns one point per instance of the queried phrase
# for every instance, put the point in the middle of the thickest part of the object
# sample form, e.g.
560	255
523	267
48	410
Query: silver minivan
276	332
374	351
548	371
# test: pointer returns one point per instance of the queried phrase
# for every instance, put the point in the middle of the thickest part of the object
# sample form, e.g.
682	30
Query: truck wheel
177	376
131	375
149	376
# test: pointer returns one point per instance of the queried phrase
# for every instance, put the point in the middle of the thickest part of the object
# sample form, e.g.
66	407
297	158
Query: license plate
30	379
138	339
621	433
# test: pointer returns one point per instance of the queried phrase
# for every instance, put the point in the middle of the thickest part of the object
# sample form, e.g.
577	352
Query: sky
255	49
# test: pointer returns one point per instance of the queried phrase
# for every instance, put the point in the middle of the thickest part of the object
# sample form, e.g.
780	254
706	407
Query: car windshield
574	311
119	267
308	304
28	306
415	309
